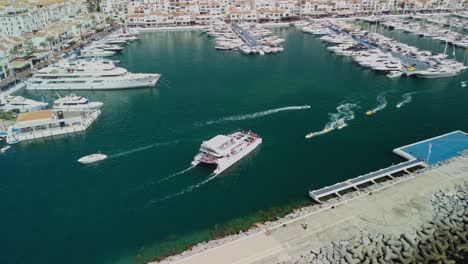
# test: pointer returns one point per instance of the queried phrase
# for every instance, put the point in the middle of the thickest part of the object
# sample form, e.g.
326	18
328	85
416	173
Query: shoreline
296	215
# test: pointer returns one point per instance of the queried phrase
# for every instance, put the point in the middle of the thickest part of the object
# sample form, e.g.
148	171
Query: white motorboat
21	104
4	149
74	102
394	74
88	75
108	47
223	151
92	158
96	52
115	41
245	49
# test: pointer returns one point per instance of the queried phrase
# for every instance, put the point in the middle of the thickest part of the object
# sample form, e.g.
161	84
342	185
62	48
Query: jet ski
4	149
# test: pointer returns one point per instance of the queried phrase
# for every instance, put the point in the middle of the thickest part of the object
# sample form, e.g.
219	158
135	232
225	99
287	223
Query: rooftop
32	116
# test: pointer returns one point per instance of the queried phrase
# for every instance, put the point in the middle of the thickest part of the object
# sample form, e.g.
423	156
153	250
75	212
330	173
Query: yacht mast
446	39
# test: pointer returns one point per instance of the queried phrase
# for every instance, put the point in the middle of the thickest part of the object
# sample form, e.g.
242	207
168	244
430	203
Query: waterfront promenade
394	209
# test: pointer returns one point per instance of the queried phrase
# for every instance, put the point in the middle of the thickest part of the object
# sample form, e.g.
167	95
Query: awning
32	116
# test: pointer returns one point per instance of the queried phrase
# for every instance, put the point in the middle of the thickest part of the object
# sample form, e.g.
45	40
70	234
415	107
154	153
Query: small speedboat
92	158
370	112
309	135
394	74
4	149
463	84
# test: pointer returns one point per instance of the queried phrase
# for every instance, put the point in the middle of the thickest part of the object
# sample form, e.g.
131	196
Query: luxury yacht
74	102
96	52
88	74
224	151
21	104
436	73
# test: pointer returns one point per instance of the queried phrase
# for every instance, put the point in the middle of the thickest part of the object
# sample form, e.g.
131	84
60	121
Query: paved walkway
395	209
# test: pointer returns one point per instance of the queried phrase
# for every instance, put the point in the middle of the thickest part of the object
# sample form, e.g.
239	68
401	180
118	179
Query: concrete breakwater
444	239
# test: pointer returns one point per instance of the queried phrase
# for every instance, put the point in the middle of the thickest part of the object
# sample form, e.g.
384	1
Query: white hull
108	83
436	75
226	162
15	137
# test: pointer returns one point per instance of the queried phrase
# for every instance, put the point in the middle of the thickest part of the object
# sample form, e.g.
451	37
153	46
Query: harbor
150	136
370	49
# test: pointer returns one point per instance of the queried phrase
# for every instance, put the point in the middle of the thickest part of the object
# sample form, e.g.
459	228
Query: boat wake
255	115
175	174
128	152
382	104
337	120
406	98
182	192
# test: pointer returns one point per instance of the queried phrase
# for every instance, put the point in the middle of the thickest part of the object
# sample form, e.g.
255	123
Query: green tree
28	48
50	40
14	52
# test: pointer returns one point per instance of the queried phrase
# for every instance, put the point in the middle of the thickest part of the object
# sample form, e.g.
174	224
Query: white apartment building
27	16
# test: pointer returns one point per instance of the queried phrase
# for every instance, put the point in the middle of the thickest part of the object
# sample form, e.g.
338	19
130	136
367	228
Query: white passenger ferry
224	151
89	75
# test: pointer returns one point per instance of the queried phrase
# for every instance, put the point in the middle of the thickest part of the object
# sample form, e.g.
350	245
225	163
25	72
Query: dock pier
421	154
363	179
244	35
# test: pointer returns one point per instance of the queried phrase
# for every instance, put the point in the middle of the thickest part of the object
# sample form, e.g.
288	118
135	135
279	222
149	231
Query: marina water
144	201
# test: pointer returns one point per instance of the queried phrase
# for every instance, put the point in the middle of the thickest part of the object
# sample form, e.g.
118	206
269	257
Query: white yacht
108	47
245	49
436	73
92	158
114	41
394	74
21	104
74	102
224	151
88	75
96	52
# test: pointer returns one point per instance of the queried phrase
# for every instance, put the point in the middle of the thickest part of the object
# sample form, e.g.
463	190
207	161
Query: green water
55	210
